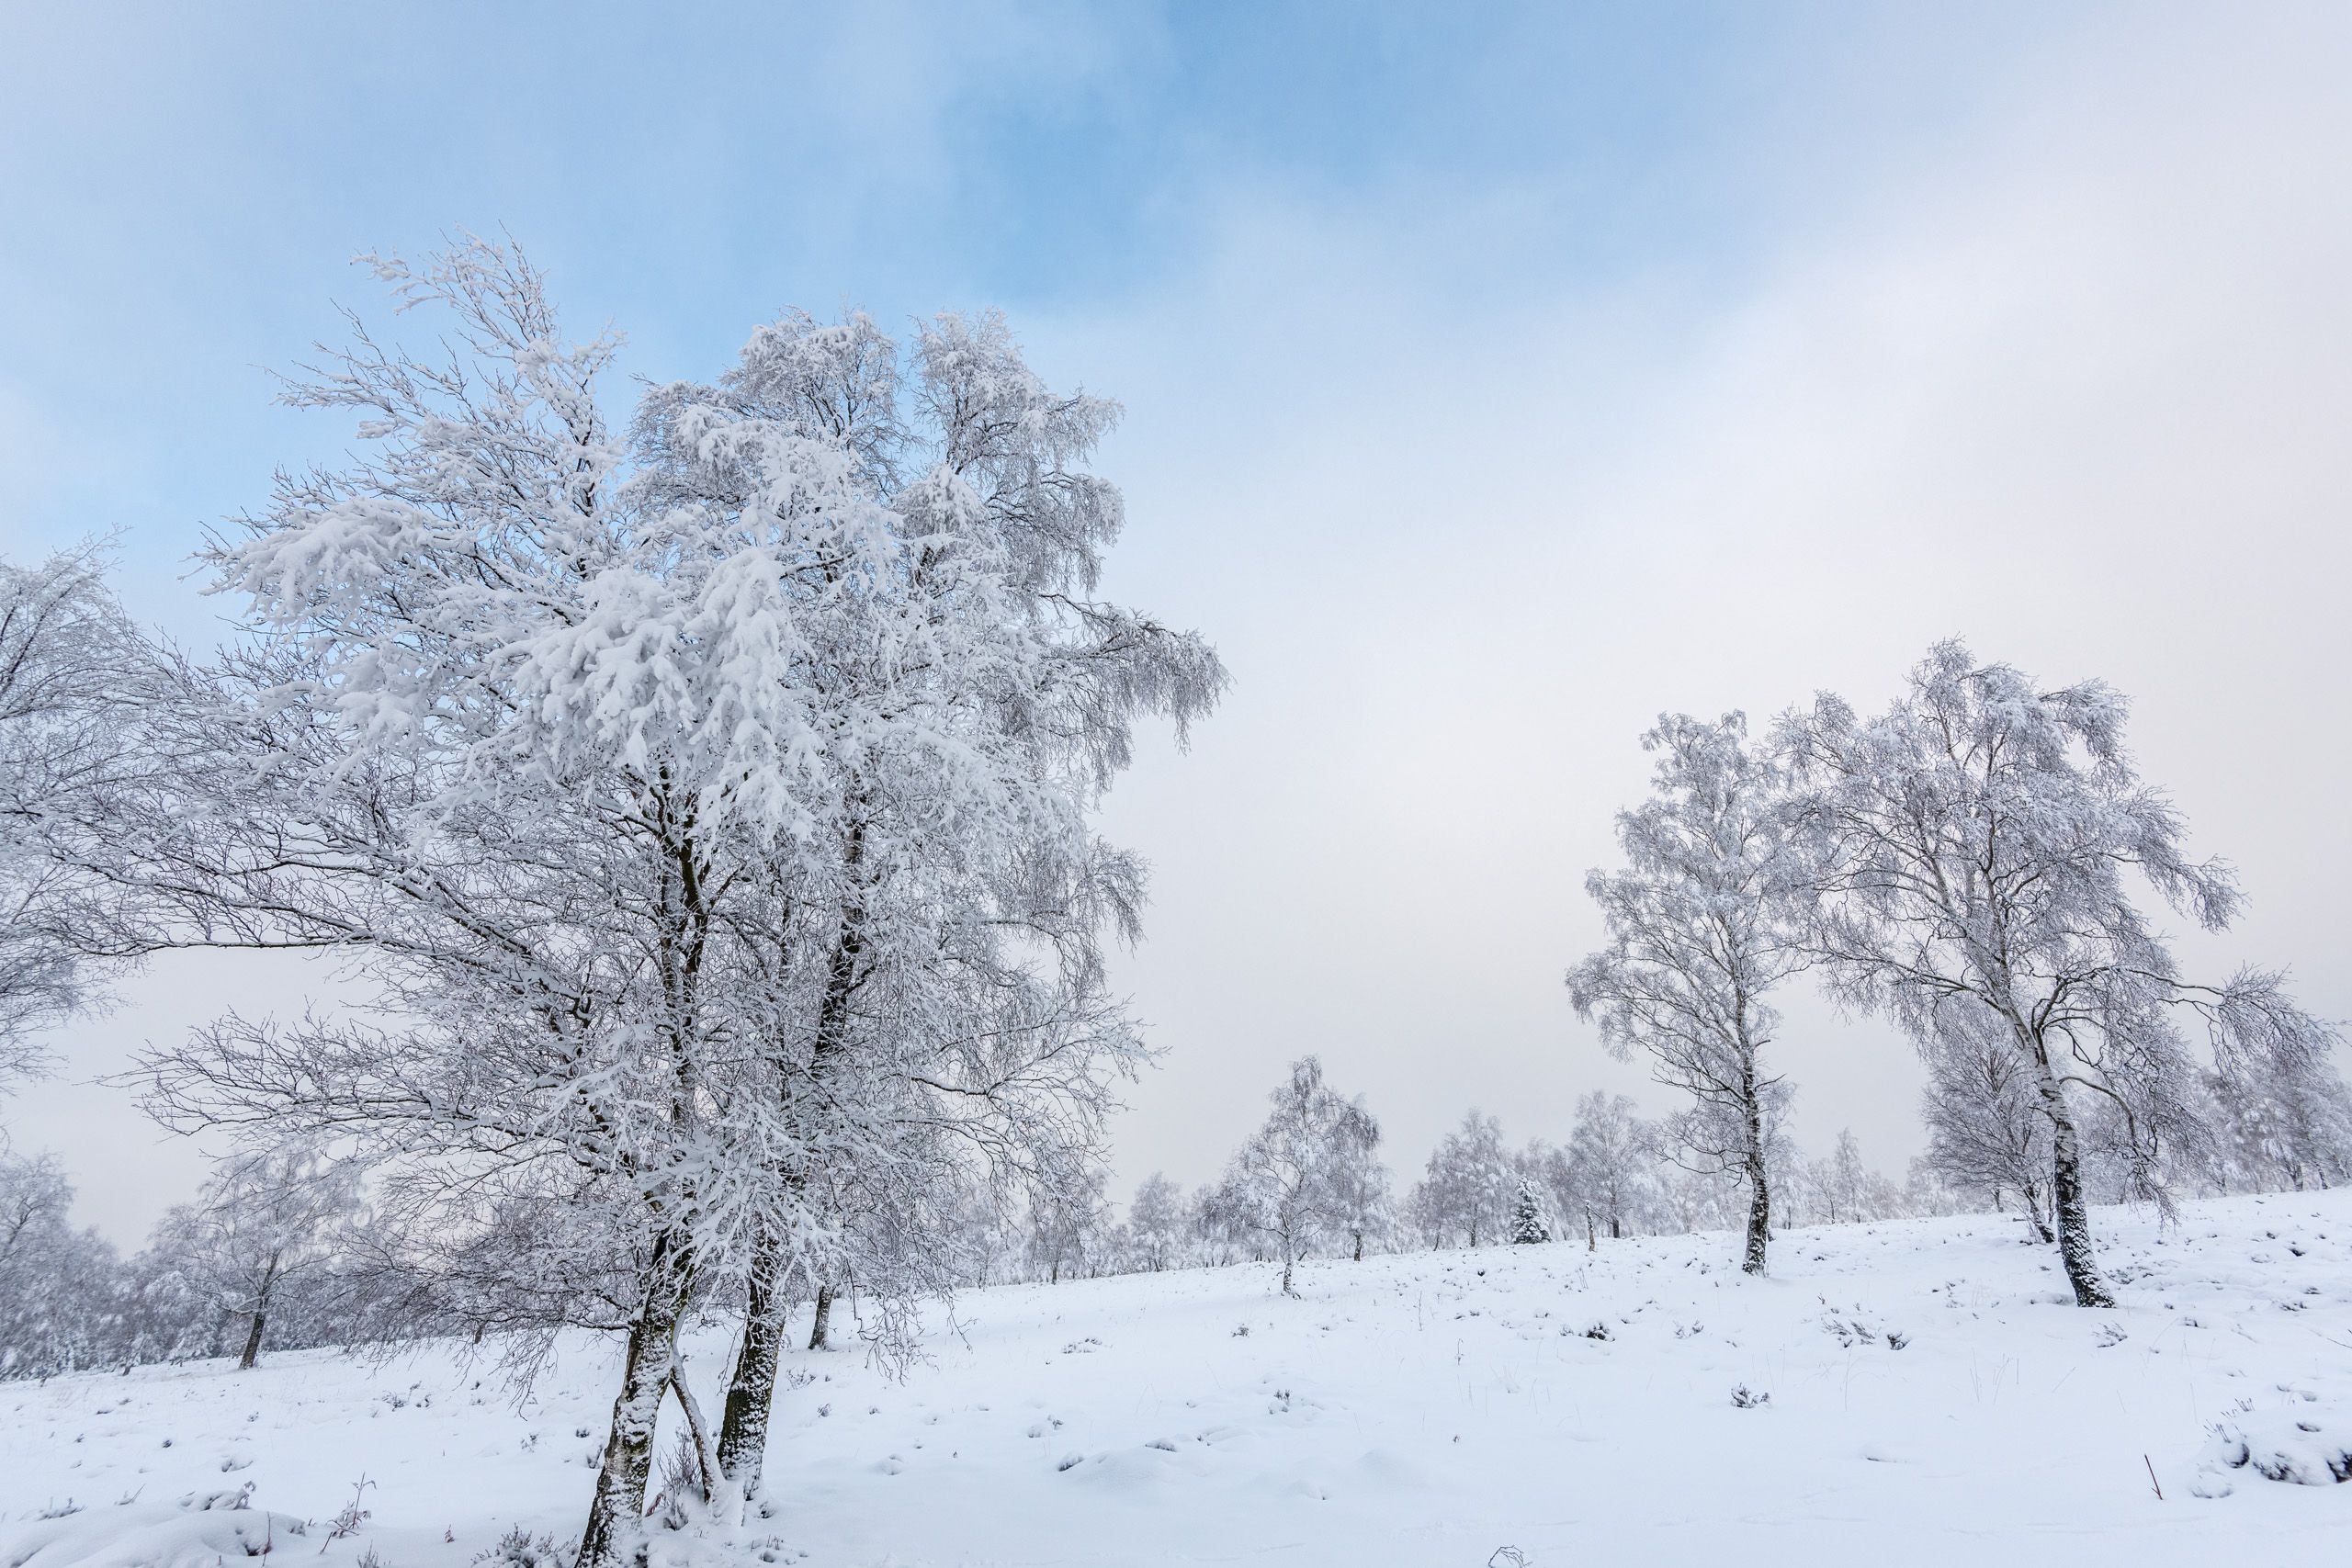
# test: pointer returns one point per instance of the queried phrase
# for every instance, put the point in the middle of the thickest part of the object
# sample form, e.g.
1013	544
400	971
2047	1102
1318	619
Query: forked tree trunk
615	1515
817	1330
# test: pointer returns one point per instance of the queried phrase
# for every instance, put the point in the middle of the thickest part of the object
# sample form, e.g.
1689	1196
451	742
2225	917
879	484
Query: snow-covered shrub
516	1549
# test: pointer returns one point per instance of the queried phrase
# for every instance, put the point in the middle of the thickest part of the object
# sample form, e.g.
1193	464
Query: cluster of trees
1310	1183
1973	865
697	805
272	1249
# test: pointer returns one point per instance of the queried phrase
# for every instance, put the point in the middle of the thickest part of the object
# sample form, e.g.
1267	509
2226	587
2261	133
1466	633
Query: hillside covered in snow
1919	1392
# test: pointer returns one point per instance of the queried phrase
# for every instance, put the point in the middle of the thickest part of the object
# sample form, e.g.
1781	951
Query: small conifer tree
1527	1215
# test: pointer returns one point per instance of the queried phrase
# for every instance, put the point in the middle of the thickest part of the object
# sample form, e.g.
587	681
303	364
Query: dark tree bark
252	1343
1759	1194
751	1390
744	1426
619	1504
2075	1247
817	1332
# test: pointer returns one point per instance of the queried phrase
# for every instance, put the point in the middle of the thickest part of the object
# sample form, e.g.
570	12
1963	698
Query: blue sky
186	183
1497	377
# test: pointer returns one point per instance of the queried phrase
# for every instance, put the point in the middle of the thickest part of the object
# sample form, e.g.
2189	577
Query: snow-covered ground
1932	1399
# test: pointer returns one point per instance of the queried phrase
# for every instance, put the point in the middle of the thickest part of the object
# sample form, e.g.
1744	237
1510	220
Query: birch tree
1608	1150
1300	1179
1978	846
1700	932
263	1225
1465	1189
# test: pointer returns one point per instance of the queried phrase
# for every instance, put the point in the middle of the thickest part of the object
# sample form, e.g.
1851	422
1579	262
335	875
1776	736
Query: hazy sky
1495	378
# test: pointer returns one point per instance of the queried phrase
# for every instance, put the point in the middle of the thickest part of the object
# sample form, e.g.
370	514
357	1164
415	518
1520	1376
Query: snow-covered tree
263	1224
1973	846
1301	1177
1699	934
1611	1151
1526	1224
956	898
1068	1220
1847	1188
2285	1119
74	674
1987	1134
705	805
1155	1225
59	1292
1465	1191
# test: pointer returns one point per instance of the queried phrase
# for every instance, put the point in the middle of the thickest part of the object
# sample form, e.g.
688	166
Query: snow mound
2297	1446
198	1532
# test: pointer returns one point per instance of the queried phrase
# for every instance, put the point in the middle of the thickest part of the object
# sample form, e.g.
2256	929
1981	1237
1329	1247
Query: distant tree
1971	846
58	1287
1068	1218
1527	1215
1849	1189
1700	932
263	1225
1987	1134
1155	1224
1611	1150
1300	1179
2285	1116
1465	1191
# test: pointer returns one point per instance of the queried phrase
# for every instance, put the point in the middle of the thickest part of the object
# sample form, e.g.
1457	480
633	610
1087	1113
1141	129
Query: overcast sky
1496	380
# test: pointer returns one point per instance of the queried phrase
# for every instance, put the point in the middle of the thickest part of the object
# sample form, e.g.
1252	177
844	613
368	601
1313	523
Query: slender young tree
264	1223
1700	932
1297	1181
1977	846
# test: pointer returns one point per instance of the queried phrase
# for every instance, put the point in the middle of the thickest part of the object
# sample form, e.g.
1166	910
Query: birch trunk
1759	1196
818	1330
615	1515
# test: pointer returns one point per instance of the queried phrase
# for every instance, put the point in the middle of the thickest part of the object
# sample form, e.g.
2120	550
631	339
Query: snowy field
1932	1399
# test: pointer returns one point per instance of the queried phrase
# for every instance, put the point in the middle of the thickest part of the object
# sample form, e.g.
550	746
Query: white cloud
2069	383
